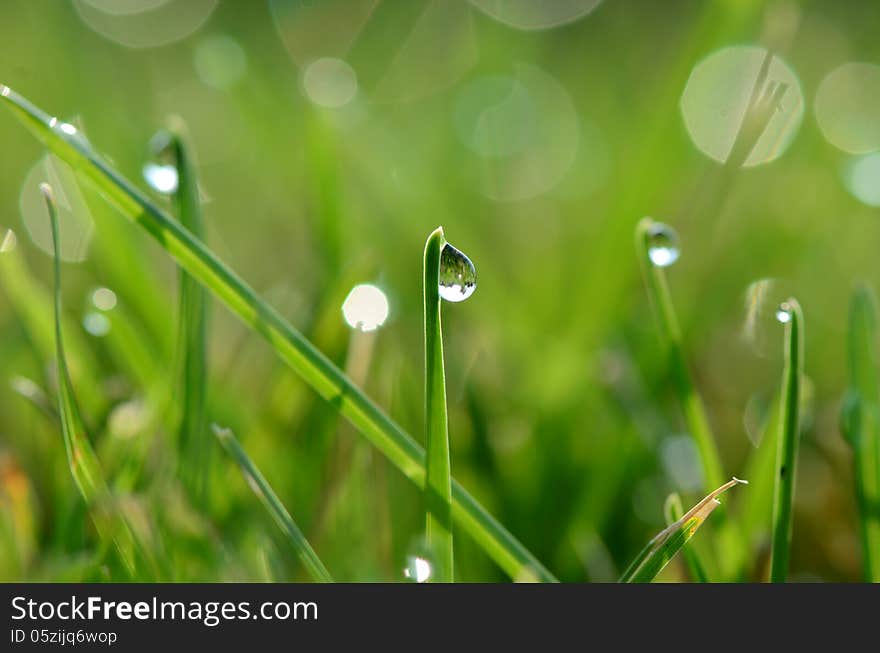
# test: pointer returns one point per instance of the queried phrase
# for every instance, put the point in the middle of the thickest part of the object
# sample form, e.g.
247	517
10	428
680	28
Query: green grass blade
673	512
789	435
861	426
663	546
83	463
290	345
193	315
438	488
691	402
273	506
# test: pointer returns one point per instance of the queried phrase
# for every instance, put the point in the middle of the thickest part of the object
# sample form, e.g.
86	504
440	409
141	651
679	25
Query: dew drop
418	569
783	313
458	276
96	324
160	170
162	178
663	247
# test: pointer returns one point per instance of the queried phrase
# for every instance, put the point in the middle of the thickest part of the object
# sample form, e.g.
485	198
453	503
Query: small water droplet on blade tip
663	246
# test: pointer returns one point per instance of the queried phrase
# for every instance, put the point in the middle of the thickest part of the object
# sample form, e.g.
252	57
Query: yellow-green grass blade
691	402
663	546
861	424
673	511
290	345
273	505
33	304
731	549
438	487
787	443
83	463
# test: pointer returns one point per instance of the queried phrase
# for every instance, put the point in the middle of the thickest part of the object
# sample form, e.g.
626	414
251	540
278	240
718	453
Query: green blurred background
331	138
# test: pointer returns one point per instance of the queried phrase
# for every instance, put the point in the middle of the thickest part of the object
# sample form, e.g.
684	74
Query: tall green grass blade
861	424
290	345
438	487
33	304
273	505
787	444
193	315
673	511
691	402
663	546
84	465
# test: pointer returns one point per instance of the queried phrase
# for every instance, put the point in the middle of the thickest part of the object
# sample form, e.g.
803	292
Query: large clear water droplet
160	171
783	313
458	276
663	247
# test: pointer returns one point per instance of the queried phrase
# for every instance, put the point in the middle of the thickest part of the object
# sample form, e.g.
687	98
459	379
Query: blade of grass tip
673	511
193	315
861	427
663	546
438	488
288	343
789	313
657	246
273	505
83	462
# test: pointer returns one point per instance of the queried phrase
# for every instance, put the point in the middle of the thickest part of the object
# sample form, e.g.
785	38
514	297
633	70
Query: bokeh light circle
848	107
535	14
330	82
742	99
146	24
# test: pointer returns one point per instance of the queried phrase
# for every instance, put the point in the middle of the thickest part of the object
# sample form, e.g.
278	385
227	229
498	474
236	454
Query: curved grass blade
83	462
290	345
789	435
438	488
663	546
861	424
673	511
193	315
691	402
731	548
273	505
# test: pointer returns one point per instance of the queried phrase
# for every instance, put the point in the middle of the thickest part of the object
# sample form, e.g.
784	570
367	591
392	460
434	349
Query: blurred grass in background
331	138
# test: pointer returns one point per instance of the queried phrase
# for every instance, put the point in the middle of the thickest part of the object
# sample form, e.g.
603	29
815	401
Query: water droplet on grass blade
160	171
783	313
663	247
458	276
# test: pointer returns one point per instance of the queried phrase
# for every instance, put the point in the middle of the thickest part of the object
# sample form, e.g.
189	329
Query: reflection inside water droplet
783	313
96	324
458	276
663	247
